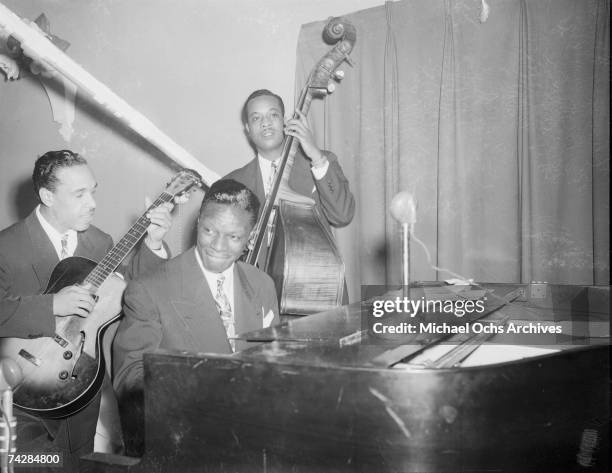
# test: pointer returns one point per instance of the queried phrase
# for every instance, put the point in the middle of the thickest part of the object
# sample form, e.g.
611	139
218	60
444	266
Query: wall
187	66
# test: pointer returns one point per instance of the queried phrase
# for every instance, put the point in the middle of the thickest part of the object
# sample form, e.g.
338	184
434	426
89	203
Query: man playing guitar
60	227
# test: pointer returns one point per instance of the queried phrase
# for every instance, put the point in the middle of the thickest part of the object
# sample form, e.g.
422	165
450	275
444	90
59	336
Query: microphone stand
405	260
8	431
403	210
10	375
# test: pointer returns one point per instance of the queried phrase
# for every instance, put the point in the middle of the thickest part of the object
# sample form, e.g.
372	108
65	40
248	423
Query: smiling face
223	234
71	205
265	125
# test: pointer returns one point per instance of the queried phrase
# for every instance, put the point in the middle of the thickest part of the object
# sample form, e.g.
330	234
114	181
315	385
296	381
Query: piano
321	394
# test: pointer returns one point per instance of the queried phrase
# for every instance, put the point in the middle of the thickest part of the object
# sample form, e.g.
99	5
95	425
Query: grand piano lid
340	337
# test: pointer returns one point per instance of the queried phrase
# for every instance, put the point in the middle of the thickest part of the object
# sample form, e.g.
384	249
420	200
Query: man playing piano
199	301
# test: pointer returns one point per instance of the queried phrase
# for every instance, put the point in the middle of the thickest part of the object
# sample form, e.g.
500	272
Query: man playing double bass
316	173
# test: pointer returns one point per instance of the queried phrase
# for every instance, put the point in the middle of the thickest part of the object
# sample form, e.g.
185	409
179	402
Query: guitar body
61	375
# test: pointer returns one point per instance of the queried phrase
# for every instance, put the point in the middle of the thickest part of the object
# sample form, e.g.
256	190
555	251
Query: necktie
64	253
273	168
225	311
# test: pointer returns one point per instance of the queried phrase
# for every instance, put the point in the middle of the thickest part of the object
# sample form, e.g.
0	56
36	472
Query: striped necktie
273	169
225	311
64	253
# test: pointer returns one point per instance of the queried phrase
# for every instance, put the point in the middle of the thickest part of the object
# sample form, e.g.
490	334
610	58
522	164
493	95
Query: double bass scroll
303	259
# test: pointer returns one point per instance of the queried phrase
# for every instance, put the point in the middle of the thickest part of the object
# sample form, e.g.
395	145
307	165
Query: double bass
303	258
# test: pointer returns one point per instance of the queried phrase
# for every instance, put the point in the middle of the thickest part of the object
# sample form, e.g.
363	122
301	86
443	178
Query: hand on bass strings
300	129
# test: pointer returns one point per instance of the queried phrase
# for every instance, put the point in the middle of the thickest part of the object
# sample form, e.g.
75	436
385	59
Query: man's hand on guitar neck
73	300
161	220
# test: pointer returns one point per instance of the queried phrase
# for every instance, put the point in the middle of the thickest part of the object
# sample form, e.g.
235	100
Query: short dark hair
46	167
231	192
260	93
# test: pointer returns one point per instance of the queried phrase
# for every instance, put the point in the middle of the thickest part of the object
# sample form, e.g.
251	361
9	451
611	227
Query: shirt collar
55	236
266	163
211	278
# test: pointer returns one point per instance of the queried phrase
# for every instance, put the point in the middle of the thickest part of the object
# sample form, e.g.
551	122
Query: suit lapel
301	179
196	310
248	313
258	187
45	257
85	247
195	307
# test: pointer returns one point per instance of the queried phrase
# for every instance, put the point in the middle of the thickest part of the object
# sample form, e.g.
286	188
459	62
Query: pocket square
268	318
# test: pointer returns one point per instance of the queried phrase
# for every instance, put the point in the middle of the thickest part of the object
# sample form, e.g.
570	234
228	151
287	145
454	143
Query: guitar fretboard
117	254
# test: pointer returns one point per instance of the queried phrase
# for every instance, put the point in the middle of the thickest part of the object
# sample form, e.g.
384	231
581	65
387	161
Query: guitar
63	373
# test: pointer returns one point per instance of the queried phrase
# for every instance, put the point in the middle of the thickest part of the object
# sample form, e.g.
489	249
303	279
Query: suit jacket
173	308
332	193
27	259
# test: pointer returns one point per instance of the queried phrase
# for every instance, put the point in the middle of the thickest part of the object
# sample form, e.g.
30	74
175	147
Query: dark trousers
72	436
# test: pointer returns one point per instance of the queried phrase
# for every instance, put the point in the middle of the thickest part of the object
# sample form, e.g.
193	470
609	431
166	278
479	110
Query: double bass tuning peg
331	87
351	62
339	75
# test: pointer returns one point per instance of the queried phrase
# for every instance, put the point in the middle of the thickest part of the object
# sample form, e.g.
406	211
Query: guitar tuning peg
339	75
331	87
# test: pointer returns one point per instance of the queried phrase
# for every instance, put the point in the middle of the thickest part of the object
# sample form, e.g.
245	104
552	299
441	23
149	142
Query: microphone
403	209
10	376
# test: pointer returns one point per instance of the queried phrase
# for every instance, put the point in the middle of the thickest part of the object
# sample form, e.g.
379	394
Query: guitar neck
117	254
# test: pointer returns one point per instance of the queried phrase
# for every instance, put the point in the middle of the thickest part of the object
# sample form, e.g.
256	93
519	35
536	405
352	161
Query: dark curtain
499	128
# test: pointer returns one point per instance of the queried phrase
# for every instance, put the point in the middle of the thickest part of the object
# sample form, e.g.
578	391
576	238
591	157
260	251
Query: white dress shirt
56	238
266	171
211	279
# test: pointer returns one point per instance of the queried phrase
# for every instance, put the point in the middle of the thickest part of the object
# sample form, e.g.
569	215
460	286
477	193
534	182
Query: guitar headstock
341	31
183	182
